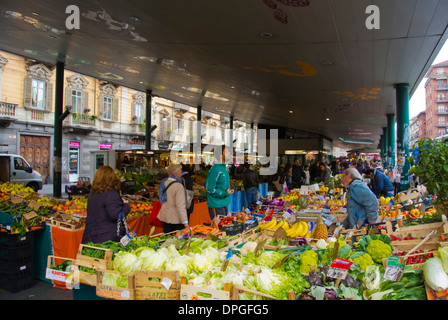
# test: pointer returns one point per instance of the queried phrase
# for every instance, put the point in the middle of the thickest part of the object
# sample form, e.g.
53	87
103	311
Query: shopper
314	171
217	185
362	204
104	205
298	176
380	183
306	171
173	198
188	185
360	167
250	182
286	176
325	175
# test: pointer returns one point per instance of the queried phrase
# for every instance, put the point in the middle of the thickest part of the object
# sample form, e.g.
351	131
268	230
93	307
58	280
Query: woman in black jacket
103	207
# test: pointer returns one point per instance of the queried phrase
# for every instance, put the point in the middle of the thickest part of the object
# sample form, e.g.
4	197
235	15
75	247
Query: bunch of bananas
15	188
45	202
80	202
268	225
299	229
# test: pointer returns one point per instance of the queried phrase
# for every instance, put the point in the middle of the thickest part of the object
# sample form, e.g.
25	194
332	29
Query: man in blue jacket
380	183
362	205
217	186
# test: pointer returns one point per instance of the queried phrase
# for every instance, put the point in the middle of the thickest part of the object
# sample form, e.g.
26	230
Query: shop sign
104	146
136	141
75	144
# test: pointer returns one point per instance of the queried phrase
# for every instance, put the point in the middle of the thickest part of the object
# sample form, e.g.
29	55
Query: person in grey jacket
362	204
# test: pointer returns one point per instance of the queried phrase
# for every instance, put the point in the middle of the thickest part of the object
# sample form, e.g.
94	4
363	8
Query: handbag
122	226
189	195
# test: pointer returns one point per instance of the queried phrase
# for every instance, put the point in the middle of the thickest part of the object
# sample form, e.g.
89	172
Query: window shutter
115	109
100	106
68	97
49	97
27	92
133	110
85	100
169	125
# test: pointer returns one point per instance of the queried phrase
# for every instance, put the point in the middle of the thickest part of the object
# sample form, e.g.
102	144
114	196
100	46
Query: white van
15	169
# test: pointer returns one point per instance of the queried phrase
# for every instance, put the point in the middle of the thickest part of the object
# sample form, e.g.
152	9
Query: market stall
286	248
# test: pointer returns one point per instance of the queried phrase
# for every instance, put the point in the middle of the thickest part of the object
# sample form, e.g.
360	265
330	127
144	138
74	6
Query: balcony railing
8	109
442	125
440	75
80	120
442	88
442	100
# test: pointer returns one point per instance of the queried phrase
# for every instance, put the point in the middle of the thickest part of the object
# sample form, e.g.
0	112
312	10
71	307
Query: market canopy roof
255	60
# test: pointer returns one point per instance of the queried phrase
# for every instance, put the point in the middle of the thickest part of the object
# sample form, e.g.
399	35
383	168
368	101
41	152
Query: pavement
47	189
41	290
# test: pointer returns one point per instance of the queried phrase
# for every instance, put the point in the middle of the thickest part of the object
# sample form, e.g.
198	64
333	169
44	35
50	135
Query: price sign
339	268
34	205
395	268
328	219
287	215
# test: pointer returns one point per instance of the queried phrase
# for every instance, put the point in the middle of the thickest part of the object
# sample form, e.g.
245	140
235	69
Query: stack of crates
16	261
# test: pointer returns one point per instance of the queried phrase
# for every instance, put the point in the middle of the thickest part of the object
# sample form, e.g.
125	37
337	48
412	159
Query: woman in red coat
103	207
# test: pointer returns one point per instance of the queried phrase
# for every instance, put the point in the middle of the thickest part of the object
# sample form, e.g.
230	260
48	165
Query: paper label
395	268
125	294
166	283
339	268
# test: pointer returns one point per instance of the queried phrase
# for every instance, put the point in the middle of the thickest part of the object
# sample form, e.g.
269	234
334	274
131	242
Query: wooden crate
115	293
84	261
415	266
149	286
406	245
422	230
58	275
339	217
188	292
434	295
237	240
238	289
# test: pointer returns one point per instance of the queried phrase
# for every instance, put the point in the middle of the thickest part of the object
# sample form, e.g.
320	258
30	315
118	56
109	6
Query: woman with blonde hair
104	205
173	198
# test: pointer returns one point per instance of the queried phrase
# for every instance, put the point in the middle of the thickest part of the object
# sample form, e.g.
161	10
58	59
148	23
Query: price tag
16	199
166	283
304	190
247	210
390	204
287	215
128	237
339	268
30	215
34	205
395	268
328	219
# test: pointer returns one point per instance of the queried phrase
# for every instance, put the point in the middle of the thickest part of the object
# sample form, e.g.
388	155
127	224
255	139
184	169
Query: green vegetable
378	250
364	260
436	278
309	258
443	255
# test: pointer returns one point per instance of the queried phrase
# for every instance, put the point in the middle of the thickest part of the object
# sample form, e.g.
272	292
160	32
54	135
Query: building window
442	121
107	105
38	94
139	113
439	70
442	108
76	100
179	126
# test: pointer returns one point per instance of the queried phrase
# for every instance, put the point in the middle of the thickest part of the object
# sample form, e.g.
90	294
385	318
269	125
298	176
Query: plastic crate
20	255
17	282
15	240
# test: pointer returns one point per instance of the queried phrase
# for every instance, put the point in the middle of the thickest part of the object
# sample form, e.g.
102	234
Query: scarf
162	194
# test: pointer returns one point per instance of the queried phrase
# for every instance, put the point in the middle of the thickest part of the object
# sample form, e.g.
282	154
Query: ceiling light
232	86
328	119
266	35
134	19
35	13
327	63
290	111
